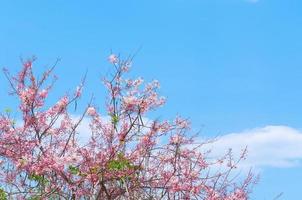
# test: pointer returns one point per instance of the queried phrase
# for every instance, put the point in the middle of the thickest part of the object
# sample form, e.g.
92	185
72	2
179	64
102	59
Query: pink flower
78	91
113	59
28	64
237	195
130	102
125	68
176	139
91	111
63	102
138	82
182	123
43	93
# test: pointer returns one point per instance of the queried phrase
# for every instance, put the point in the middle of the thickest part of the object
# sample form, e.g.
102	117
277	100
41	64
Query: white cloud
270	146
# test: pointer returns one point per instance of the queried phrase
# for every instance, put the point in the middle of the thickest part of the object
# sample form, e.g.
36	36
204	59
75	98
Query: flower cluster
126	155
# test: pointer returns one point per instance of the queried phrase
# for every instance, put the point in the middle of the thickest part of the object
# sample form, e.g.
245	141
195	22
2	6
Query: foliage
126	157
3	195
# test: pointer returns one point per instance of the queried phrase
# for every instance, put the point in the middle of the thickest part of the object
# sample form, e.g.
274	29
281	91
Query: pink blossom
43	93
78	91
182	123
130	102
91	111
123	156
63	102
27	64
113	59
237	195
125	68
176	139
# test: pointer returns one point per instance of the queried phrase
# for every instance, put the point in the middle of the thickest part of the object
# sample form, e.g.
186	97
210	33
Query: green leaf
8	110
121	163
35	177
74	170
40	179
3	195
36	197
114	119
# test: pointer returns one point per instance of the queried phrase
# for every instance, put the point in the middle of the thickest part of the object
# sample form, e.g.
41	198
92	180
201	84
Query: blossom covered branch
126	157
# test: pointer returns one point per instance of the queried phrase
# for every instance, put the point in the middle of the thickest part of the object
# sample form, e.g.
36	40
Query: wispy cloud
270	146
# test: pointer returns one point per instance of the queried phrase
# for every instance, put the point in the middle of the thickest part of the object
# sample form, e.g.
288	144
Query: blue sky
231	66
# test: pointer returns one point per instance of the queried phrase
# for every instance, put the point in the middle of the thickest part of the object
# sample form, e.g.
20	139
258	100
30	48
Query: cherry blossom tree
127	156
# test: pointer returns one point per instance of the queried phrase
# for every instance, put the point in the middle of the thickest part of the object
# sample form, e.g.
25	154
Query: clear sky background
231	66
